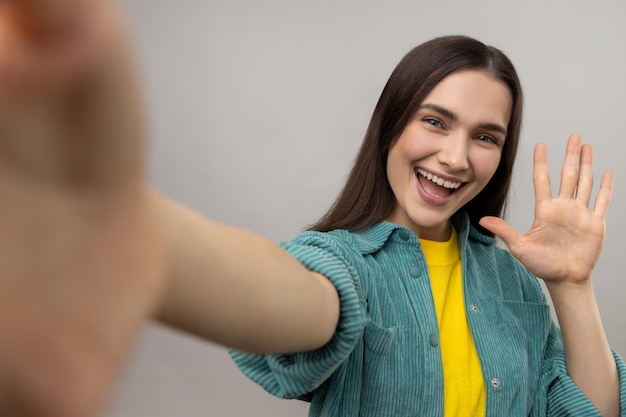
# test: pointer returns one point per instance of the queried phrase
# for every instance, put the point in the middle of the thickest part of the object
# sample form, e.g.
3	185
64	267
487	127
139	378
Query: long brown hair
367	197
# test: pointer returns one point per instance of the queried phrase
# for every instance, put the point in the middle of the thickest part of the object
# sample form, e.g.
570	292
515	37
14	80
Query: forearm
588	356
239	289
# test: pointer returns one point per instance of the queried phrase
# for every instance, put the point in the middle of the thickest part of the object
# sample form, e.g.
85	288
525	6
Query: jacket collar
372	239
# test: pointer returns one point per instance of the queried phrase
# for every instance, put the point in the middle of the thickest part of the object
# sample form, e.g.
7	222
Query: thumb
41	39
500	228
42	17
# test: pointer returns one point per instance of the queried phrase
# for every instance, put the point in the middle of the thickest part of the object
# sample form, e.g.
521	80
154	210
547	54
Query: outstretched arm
562	248
240	289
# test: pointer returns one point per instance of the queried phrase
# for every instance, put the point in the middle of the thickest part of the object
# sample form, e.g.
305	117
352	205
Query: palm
566	237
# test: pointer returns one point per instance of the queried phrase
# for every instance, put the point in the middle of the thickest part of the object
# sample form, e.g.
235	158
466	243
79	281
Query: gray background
258	108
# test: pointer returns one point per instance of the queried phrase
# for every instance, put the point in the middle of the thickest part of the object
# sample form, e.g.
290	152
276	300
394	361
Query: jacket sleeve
296	375
561	396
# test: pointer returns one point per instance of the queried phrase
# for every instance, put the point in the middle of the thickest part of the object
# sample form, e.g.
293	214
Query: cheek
396	160
491	169
393	172
485	169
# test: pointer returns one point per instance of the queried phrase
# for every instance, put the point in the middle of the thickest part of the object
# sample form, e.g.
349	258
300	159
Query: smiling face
448	151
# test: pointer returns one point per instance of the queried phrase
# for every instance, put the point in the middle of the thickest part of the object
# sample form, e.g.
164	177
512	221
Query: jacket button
495	382
474	307
415	271
433	340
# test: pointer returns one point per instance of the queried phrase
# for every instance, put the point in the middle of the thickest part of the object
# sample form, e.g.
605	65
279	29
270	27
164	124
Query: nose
454	152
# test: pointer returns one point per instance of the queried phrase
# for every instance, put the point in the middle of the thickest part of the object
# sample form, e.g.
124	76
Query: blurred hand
81	257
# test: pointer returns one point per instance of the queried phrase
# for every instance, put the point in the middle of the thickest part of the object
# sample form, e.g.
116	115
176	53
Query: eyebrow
453	116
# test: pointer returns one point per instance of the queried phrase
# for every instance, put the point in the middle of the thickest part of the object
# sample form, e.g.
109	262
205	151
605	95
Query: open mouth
435	186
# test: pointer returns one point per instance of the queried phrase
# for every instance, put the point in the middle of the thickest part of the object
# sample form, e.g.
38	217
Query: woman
437	158
90	252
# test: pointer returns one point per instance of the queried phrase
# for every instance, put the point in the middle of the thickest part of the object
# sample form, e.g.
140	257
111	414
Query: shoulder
352	243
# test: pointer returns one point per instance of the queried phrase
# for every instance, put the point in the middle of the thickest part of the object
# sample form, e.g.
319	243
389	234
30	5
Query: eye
487	139
433	122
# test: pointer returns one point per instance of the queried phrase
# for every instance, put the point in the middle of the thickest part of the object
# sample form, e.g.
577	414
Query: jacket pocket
525	327
378	339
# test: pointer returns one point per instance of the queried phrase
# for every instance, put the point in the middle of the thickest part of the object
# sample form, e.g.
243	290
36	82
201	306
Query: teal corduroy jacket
384	359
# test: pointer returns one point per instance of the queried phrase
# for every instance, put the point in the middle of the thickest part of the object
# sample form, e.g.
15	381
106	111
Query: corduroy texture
383	360
291	376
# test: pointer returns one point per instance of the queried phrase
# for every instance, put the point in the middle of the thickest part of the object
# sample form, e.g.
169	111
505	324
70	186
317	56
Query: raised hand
81	259
566	237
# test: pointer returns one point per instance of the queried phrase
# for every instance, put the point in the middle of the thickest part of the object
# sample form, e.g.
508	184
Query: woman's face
448	152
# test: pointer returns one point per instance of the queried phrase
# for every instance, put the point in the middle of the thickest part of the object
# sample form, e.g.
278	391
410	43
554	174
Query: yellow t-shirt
464	386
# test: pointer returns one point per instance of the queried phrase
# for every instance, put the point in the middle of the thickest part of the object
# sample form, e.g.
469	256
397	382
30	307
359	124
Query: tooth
438	181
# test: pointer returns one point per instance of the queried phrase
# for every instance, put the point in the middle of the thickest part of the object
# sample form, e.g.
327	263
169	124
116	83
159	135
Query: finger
571	167
500	228
41	17
541	173
603	199
585	176
41	39
24	28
